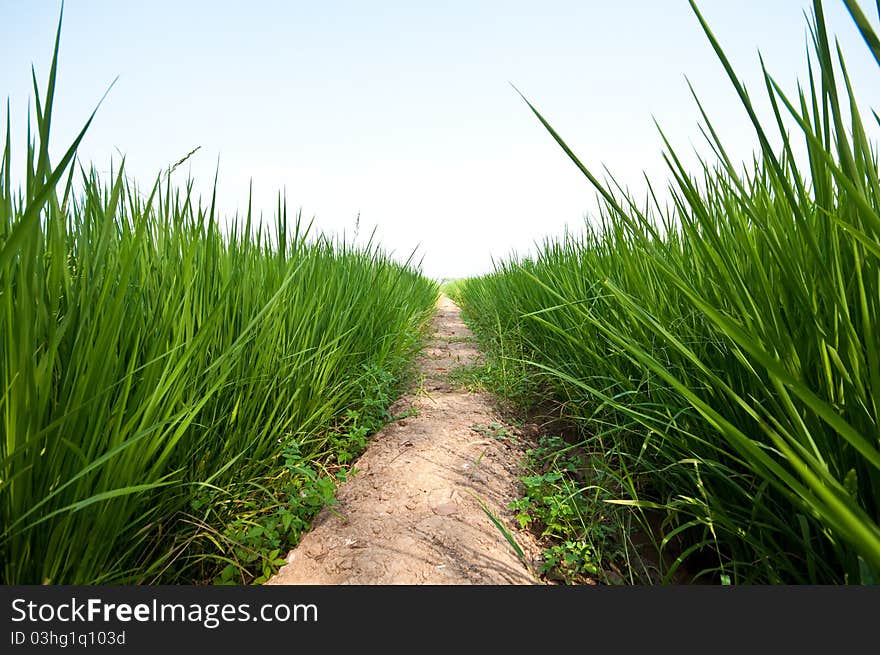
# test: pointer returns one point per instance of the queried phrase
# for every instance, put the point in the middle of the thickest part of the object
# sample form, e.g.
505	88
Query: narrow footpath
415	512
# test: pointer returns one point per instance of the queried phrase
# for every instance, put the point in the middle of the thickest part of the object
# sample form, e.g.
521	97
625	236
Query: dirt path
409	516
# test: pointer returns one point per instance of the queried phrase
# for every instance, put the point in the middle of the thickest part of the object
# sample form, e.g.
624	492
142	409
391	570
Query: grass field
180	392
719	355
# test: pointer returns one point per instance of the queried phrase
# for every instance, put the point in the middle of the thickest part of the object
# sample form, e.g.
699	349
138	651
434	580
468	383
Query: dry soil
413	513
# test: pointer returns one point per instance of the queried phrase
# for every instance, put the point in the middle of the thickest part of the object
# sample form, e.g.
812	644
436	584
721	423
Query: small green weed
494	429
584	534
275	515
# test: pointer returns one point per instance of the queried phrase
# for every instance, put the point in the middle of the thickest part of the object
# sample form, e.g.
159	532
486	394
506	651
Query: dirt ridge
414	511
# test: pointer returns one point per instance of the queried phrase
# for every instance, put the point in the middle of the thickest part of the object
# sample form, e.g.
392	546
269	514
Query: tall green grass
158	372
721	353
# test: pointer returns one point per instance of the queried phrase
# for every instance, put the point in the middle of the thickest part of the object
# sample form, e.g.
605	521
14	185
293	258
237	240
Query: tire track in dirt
410	514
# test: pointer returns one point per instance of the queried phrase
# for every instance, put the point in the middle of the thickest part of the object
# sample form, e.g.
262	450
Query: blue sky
403	112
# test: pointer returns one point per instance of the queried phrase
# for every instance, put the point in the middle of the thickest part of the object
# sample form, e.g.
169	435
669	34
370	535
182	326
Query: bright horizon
406	116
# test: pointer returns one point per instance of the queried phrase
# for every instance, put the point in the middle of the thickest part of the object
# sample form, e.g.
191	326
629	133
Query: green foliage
377	388
501	373
451	287
493	429
586	537
173	385
721	351
255	538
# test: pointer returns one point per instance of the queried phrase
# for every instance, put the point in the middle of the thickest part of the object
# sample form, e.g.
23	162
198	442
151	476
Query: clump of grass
168	386
451	287
723	350
564	502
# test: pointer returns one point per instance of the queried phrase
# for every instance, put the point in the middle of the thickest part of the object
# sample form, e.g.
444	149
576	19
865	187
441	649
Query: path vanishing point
413	513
